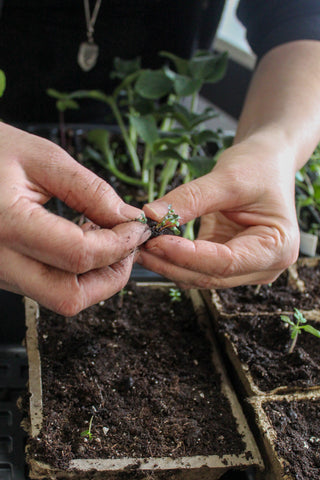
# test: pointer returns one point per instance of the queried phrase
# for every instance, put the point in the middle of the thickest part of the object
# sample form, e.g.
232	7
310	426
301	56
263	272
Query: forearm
283	101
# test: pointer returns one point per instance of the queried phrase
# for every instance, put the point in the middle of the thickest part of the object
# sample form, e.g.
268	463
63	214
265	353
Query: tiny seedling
142	218
170	220
296	328
87	433
175	295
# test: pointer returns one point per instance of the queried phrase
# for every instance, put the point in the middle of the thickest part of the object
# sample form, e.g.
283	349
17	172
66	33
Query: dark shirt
39	41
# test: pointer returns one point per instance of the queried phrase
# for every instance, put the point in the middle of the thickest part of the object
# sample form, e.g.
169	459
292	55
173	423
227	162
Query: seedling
175	295
170	220
296	328
142	218
87	433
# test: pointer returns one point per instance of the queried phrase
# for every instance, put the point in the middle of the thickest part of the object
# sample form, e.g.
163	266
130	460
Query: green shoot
296	328
175	295
87	433
142	218
170	220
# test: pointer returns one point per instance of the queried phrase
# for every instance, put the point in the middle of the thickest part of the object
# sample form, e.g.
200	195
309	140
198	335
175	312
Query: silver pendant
87	55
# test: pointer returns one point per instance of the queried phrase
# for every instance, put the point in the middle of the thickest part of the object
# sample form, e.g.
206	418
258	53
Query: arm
64	267
249	231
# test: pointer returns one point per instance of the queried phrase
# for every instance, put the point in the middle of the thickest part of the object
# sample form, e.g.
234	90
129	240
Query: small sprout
296	328
170	220
142	218
175	295
88	433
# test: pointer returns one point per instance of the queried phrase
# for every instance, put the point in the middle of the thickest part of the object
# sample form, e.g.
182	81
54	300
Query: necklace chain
91	19
89	51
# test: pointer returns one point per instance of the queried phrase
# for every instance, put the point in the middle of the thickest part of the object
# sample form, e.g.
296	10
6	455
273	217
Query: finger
56	172
63	292
185	278
212	192
58	242
255	249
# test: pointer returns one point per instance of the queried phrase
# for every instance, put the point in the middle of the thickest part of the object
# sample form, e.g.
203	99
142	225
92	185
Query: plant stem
167	175
151	192
133	154
293	344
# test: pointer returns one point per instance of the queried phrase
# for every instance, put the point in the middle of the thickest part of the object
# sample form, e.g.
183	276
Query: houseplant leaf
2	82
153	84
146	127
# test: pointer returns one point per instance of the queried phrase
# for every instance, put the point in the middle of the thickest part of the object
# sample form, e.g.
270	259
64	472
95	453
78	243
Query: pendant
87	55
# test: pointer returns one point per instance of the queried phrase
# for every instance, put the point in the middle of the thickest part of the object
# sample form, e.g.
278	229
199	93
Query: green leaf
205	136
2	82
99	137
94	94
286	319
209	68
180	64
185	86
170	141
123	68
64	104
200	165
153	84
146	127
310	329
167	154
56	94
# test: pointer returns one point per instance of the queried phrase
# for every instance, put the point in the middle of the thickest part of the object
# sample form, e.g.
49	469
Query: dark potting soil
140	367
297	425
263	343
278	296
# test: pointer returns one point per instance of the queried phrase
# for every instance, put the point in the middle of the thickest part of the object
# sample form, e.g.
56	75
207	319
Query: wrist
274	143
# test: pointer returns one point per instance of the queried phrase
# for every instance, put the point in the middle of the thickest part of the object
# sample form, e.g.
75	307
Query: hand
64	267
249	232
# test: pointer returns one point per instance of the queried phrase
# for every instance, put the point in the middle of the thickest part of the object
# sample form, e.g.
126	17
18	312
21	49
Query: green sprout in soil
87	433
170	220
175	295
296	328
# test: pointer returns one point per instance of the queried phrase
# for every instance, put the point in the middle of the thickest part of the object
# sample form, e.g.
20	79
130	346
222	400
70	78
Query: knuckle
70	304
100	188
80	259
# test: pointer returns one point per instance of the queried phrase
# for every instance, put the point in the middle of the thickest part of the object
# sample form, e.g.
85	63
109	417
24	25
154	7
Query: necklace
89	50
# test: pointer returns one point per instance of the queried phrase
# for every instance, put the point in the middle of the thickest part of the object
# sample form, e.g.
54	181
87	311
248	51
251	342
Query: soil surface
298	436
140	367
263	343
278	296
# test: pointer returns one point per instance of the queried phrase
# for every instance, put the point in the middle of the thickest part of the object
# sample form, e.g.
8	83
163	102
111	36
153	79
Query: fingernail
156	209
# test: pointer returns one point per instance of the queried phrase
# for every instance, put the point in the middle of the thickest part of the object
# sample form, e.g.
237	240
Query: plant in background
2	82
308	194
88	433
159	109
297	327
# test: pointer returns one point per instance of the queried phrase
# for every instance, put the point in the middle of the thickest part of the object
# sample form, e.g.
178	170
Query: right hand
48	258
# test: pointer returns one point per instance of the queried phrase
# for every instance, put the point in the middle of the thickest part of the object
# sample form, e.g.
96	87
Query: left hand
249	232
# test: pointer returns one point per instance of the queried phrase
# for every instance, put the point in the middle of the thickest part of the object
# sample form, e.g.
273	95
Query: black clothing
39	41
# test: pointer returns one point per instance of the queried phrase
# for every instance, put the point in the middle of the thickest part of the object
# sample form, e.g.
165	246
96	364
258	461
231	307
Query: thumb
201	196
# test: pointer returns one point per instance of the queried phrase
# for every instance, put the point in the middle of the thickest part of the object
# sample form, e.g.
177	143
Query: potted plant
128	387
289	430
